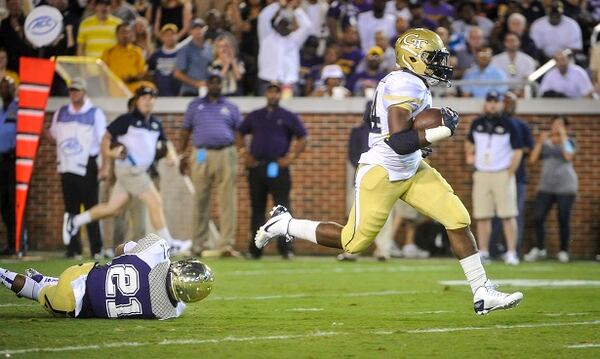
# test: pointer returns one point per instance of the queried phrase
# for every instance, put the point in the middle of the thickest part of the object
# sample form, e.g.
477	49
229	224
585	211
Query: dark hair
121	25
563	118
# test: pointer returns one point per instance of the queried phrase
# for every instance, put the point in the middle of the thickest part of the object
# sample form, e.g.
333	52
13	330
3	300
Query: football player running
393	168
141	282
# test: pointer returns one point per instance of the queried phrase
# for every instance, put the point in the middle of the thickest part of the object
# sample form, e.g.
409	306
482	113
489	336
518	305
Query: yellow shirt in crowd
97	35
125	61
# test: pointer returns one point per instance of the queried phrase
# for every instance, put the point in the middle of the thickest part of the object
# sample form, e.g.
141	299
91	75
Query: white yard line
18	305
541	283
305	310
515	326
583	346
191	341
314	295
167	342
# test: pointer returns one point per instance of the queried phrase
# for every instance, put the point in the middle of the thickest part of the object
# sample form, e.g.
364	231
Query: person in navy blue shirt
161	63
8	138
269	158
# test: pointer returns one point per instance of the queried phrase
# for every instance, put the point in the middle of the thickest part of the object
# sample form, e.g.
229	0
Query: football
114	144
430	118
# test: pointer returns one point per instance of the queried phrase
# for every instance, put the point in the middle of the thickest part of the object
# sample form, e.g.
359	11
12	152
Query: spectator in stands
363	82
201	7
125	59
436	10
12	35
483	70
281	32
65	45
8	181
398	8
558	184
594	65
136	135
401	26
467	18
555	32
143	8
249	43
214	25
350	53
212	122
465	58
332	78
369	22
418	18
177	12
313	77
77	129
515	64
316	10
97	32
309	56
142	37
341	14
161	64
566	80
494	147
4	71
232	19
191	66
227	64
389	54
278	139
532	9
517	24
123	10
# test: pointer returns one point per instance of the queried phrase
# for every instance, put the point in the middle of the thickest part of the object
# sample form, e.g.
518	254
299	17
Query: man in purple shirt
268	160
212	121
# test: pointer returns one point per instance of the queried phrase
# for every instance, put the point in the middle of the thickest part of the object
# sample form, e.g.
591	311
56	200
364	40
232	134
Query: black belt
218	147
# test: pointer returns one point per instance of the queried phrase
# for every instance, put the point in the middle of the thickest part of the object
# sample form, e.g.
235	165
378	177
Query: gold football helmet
191	280
422	52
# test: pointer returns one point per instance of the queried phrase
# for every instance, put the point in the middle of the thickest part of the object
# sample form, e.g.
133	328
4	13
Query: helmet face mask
422	52
190	280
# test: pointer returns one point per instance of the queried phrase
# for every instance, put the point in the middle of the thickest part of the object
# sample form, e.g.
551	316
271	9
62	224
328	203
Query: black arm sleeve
404	142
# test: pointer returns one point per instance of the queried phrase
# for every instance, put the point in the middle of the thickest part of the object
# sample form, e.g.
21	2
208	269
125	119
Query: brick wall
319	184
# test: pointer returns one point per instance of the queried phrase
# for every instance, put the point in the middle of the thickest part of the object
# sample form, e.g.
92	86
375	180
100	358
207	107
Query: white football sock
165	234
82	219
474	271
304	229
7	277
31	289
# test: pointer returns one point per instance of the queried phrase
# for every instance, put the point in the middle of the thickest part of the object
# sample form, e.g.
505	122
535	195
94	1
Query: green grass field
319	308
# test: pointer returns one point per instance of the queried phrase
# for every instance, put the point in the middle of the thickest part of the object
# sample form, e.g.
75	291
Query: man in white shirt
281	33
555	32
566	80
78	129
369	22
516	64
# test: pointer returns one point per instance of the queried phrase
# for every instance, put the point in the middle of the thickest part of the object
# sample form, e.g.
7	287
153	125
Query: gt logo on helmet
413	39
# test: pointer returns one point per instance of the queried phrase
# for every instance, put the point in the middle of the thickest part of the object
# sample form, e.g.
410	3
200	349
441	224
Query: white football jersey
398	88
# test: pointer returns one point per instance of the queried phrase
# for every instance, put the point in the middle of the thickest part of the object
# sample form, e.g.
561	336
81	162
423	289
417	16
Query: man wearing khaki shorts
494	147
136	135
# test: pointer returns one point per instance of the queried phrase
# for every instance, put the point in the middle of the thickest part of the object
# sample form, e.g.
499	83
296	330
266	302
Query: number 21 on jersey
123	278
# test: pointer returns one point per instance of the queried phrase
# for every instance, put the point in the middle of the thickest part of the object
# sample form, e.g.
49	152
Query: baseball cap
493	96
78	83
214	75
146	90
375	51
167	27
198	22
274	85
332	72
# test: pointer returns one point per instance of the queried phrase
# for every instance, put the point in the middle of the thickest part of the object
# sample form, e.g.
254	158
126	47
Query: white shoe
535	254
109	253
347	257
180	247
563	257
69	228
487	299
485	257
276	226
413	252
511	259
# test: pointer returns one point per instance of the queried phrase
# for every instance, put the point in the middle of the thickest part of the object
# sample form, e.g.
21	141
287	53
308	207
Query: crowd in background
325	48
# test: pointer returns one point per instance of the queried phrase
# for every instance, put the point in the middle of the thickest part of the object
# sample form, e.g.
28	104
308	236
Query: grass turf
320	308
